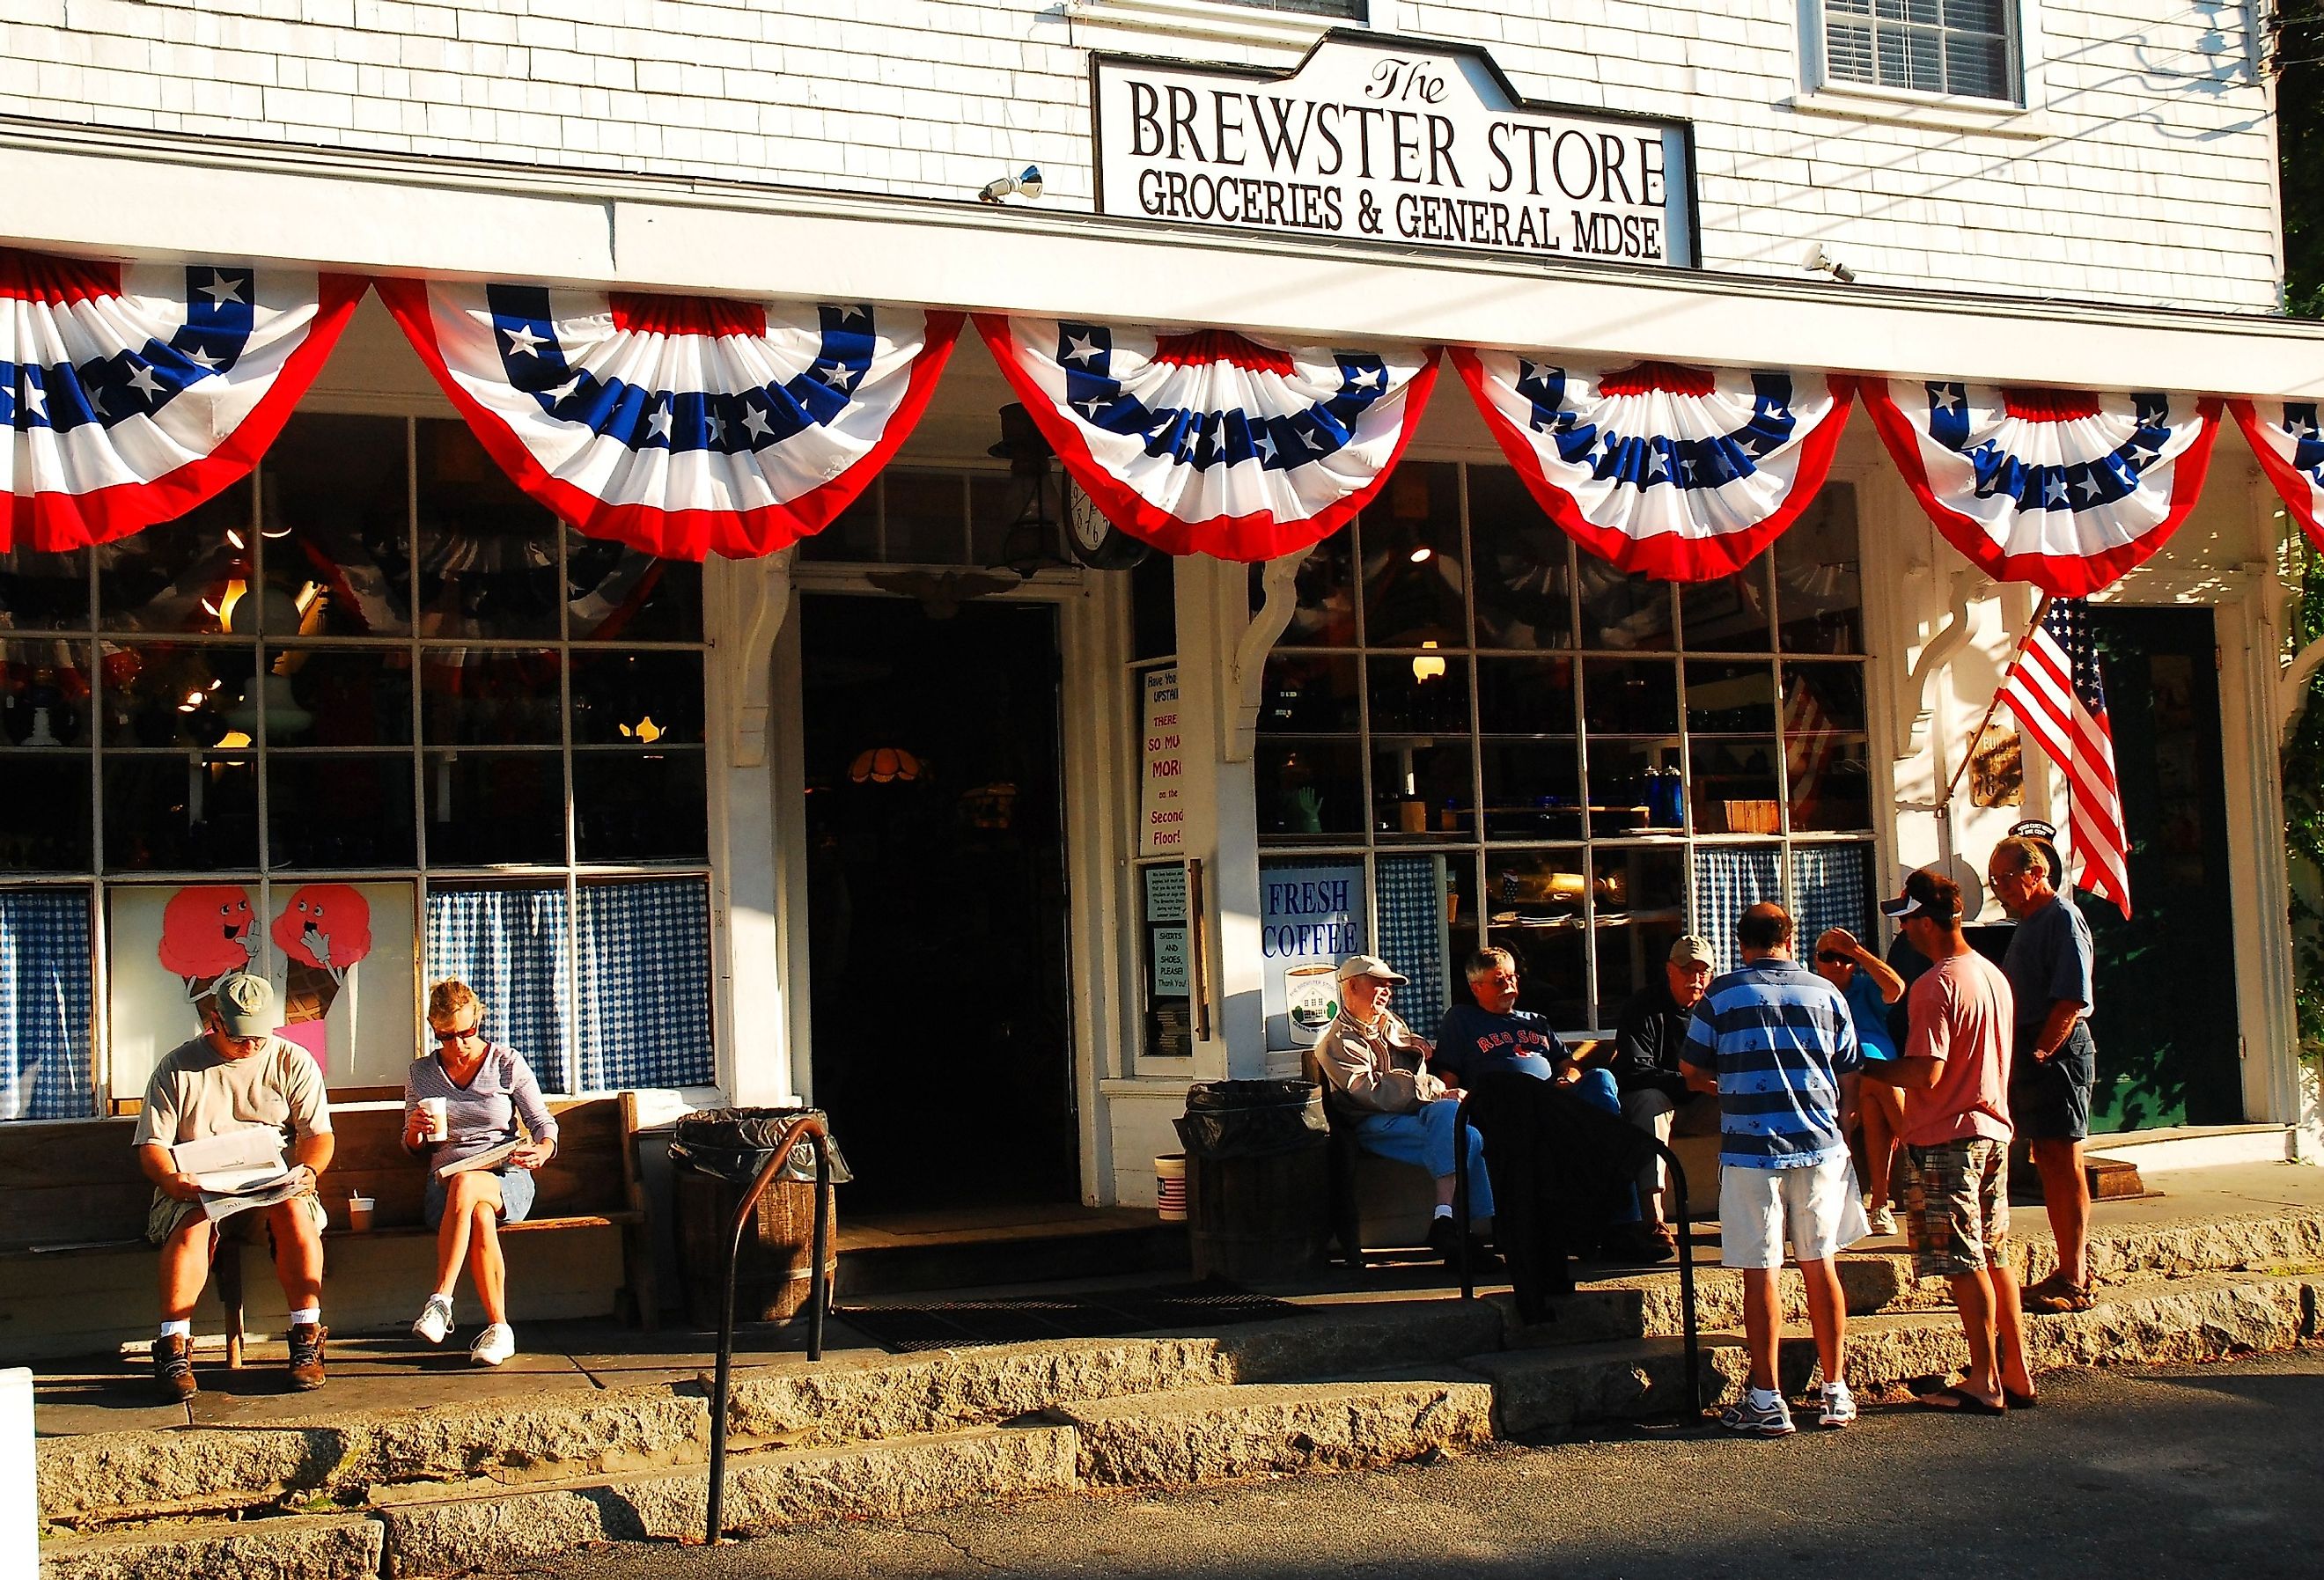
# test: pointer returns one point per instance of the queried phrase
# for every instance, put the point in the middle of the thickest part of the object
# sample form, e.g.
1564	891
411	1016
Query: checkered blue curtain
510	946
1829	888
1412	934
645	984
46	977
1727	880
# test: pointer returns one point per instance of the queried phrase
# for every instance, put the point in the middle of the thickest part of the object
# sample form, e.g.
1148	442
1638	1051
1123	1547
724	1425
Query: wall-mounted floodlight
1027	185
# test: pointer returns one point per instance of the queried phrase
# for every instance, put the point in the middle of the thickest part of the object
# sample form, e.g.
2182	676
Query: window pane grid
256	695
1954	47
1587	888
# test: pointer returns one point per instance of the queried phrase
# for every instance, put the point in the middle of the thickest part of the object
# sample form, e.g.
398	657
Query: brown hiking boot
173	1368
307	1355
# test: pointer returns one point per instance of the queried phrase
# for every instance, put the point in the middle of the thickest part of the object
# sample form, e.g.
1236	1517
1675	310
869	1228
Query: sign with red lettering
1161	799
1394	140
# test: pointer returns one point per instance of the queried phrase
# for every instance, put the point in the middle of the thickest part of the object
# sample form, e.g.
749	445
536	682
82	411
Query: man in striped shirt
1775	1042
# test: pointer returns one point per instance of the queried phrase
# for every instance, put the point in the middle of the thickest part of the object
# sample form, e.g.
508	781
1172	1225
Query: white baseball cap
1355	966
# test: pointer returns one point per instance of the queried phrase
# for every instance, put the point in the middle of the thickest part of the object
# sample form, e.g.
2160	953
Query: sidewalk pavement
374	1373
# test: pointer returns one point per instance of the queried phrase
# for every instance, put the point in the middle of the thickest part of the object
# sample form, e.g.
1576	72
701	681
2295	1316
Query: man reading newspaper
219	1115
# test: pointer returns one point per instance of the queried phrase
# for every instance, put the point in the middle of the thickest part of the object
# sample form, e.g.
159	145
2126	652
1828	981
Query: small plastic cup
359	1208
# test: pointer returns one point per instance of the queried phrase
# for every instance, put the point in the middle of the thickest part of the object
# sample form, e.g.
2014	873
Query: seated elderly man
237	1074
1563	1160
1646	1064
1377	1071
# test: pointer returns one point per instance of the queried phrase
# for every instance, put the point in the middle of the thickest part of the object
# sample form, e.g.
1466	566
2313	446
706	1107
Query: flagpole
1944	806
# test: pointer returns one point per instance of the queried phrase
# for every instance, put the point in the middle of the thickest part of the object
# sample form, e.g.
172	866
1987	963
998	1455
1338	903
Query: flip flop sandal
2018	1402
1965	1403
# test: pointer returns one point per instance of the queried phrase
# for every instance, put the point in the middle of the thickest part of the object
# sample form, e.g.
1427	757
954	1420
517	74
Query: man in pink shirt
1954	1073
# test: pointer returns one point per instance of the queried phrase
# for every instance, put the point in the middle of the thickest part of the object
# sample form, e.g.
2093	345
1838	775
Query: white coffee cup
439	1128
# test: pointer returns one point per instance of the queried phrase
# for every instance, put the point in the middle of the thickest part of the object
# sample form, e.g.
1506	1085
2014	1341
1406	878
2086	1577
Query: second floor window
1956	46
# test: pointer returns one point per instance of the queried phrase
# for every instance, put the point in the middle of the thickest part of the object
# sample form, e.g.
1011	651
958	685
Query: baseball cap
1926	893
246	1003
1355	966
1688	949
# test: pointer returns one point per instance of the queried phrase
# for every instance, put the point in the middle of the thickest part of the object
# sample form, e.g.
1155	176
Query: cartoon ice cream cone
206	933
323	930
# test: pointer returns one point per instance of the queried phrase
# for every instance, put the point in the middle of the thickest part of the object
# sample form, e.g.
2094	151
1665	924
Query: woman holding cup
466	1098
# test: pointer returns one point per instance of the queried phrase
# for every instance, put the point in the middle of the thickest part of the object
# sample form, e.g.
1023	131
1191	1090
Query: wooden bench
74	1188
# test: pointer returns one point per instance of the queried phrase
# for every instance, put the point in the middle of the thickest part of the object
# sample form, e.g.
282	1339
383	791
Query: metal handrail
818	1293
1689	1324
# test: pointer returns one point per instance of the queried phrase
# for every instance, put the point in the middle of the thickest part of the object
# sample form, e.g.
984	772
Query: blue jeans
1596	1088
1426	1140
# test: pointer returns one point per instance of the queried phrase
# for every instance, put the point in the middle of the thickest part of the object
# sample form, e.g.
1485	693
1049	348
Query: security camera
1027	185
1819	261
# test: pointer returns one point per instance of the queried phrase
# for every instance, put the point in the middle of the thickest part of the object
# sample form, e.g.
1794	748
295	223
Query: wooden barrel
1259	1220
774	1271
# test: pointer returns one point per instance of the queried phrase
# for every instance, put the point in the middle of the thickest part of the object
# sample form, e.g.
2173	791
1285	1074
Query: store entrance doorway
937	922
2165	1020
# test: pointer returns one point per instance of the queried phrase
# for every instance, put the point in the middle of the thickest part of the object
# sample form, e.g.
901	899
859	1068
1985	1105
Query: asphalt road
2206	1470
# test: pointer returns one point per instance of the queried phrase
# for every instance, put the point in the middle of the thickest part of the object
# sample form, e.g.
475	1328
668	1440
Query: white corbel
1238	720
758	600
2291	693
1920	684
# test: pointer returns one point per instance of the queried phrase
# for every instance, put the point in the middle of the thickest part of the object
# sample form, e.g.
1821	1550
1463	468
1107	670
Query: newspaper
490	1158
238	1169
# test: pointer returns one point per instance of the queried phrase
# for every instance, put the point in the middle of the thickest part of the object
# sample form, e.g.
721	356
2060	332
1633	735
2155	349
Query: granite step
340	1547
483	1527
1219	1434
1549	1388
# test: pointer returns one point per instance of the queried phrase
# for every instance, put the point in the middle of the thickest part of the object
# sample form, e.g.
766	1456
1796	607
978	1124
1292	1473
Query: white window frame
2027	115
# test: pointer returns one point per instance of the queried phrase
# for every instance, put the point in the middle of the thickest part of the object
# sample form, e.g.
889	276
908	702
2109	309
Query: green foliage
2303	819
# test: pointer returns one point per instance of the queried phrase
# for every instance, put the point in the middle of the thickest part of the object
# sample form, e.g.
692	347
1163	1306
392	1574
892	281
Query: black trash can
715	1156
1258	1179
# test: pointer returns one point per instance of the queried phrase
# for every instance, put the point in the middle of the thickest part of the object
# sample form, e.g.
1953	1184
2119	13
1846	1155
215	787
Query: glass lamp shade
884	765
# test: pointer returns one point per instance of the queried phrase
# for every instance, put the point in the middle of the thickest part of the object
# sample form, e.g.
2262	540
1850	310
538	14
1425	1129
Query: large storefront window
1473	733
368	719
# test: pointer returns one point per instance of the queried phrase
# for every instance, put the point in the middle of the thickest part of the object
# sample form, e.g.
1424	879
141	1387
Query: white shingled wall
2150	180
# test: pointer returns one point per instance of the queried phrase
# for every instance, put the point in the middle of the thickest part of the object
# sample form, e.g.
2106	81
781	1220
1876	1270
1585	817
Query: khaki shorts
168	1215
1958	1195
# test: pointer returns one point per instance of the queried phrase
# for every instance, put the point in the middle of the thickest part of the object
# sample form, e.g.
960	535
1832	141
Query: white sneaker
435	1319
496	1343
1881	1220
1839	1407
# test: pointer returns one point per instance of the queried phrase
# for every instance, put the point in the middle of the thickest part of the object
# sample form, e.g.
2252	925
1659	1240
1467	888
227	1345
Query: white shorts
1817	1206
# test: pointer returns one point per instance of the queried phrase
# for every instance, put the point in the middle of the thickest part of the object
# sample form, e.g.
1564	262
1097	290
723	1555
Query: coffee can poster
1311	918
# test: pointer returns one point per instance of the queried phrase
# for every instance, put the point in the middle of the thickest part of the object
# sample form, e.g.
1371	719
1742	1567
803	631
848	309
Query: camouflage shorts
1958	1195
168	1215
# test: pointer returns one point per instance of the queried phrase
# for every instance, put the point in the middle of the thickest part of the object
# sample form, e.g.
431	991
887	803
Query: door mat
946	1324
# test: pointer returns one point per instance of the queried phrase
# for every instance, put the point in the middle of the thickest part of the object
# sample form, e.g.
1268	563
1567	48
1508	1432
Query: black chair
1346	1211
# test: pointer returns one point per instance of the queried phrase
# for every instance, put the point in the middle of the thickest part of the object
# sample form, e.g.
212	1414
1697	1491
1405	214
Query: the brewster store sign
1389	140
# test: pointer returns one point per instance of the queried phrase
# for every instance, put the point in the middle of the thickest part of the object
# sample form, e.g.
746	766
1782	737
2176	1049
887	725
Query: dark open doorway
2165	1024
938	920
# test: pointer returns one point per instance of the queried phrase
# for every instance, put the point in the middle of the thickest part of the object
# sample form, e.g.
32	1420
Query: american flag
2055	689
1808	744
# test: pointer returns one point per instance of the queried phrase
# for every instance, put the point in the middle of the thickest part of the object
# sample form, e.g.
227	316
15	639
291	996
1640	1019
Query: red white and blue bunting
2285	436
2062	488
682	426
1211	442
1682	473
130	393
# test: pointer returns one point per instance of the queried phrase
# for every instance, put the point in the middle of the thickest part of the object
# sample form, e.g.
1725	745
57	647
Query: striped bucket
1170	1187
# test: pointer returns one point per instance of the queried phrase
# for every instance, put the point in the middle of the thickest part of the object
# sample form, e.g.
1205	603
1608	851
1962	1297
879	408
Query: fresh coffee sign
1384	140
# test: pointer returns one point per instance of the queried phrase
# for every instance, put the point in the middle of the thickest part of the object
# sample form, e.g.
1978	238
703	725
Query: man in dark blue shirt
2053	1069
1492	1038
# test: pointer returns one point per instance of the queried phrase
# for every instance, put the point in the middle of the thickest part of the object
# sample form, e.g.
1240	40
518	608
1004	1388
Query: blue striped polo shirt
1779	1038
